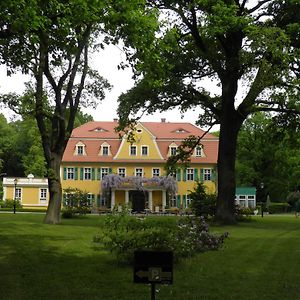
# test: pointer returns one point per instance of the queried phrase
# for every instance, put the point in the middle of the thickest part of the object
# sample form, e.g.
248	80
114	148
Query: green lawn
260	260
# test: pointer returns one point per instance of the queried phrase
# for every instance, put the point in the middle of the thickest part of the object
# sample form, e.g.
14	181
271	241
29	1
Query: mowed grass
260	260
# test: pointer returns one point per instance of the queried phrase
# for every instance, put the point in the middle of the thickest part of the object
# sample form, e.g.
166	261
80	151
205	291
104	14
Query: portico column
113	199
150	200
164	200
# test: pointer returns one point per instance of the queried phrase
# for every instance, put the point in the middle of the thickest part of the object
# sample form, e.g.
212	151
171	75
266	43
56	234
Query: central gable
144	146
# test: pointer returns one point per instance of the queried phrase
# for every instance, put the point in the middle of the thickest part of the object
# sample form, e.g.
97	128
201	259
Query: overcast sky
106	63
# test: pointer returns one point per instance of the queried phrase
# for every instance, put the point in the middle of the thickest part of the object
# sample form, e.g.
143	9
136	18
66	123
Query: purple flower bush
123	234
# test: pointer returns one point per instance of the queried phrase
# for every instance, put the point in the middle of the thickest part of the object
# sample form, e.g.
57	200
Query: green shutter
65	173
184	175
201	174
98	173
178	201
81	173
178	175
184	200
196	174
213	174
93	173
109	170
98	199
76	174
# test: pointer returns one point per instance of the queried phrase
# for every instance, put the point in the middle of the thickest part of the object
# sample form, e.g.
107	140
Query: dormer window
99	129
198	151
105	149
80	149
180	130
173	149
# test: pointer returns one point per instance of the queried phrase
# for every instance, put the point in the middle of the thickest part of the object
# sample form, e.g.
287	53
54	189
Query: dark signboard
153	267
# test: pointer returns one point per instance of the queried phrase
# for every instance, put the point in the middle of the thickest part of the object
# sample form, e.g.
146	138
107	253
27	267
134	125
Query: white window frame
43	195
139	172
188	200
89	199
70	173
190	174
155	172
81	151
18	194
207	174
87	173
144	147
173	149
198	151
122	173
104	172
133	153
105	150
173	201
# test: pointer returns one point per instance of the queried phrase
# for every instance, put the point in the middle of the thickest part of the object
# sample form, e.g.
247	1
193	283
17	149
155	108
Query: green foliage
275	208
9	203
75	202
268	152
203	204
123	234
243	213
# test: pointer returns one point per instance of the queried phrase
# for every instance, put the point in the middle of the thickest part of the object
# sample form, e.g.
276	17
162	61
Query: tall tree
51	41
268	153
231	43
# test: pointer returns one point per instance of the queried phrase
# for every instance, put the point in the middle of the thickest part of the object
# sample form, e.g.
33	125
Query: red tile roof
93	134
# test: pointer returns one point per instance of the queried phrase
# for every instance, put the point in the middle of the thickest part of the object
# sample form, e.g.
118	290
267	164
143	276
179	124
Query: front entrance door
138	200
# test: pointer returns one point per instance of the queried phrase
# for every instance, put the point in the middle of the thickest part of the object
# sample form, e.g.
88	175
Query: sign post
153	267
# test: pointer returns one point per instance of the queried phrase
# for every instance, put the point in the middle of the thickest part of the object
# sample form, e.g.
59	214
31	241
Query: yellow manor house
133	173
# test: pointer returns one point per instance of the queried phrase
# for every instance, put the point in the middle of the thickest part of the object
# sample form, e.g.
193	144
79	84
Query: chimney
115	120
163	120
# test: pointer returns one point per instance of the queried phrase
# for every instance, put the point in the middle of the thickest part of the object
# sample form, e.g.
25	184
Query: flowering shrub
123	234
115	181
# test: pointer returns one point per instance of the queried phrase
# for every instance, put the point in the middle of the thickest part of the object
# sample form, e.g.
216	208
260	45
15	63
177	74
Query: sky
106	63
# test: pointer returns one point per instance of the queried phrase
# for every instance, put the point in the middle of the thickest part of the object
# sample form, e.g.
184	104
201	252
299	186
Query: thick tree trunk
55	191
229	129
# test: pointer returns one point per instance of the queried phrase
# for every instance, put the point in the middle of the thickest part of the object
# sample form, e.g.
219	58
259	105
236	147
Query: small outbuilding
245	196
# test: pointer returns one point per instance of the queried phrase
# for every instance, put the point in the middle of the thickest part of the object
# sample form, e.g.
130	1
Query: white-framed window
105	150
188	201
122	172
139	172
104	172
70	173
43	195
144	151
207	174
173	201
132	150
242	200
251	203
87	173
79	150
90	199
198	151
18	194
173	150
190	174
155	172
